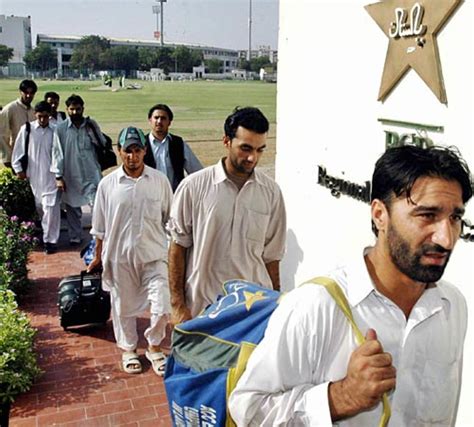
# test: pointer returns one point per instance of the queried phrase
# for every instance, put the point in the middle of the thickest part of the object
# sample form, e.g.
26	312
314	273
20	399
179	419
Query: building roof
126	41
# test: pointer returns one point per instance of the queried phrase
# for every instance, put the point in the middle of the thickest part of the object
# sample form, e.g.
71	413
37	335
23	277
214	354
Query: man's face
421	234
27	96
75	111
43	118
159	123
54	102
133	157
244	150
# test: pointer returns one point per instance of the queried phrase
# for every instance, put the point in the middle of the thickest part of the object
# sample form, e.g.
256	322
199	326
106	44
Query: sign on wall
412	27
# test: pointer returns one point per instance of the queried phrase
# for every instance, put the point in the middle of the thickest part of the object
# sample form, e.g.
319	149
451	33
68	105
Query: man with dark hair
130	213
227	221
34	143
167	152
309	370
16	114
52	98
75	163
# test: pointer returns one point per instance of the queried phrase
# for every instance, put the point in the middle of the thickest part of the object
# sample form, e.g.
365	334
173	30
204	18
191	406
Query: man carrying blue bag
211	350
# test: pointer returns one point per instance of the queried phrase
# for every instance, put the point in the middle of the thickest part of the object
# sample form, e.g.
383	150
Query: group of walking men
168	252
173	252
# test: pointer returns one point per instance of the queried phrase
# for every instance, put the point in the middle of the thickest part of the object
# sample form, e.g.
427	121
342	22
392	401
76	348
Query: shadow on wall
293	258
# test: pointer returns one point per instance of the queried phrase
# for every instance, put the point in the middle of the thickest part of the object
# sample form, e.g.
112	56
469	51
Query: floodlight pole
162	42
249	53
159	20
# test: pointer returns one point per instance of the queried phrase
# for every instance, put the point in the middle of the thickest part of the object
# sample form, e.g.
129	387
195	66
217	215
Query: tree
6	53
185	59
147	58
120	58
87	54
257	63
213	65
41	58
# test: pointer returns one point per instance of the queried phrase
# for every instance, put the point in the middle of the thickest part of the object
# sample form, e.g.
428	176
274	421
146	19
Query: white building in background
261	51
64	47
15	32
341	126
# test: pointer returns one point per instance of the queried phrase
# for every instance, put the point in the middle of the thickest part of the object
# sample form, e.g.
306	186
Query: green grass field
199	107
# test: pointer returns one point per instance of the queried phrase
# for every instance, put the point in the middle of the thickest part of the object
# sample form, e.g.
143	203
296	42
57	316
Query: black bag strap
91	126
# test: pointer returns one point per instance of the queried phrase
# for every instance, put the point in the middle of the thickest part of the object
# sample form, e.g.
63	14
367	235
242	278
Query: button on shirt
308	343
230	234
130	216
163	161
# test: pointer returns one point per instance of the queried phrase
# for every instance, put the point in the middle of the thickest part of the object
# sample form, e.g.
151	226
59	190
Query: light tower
158	11
249	53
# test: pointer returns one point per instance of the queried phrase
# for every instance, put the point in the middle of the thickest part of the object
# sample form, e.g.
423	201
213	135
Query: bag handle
337	294
81	283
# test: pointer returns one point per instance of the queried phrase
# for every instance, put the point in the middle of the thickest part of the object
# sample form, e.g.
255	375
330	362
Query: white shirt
230	234
42	181
308	344
130	215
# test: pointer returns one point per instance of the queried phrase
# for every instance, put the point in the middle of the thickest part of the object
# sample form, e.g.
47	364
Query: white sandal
158	361
131	363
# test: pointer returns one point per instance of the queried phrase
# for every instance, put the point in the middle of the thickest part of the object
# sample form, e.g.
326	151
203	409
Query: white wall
331	57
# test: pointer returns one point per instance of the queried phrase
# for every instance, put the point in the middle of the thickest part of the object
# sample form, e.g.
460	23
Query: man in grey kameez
75	163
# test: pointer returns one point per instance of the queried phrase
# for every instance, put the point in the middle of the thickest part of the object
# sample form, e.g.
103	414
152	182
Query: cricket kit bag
210	352
82	301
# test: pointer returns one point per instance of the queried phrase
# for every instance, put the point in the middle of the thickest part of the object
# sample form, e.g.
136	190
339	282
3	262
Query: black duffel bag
82	301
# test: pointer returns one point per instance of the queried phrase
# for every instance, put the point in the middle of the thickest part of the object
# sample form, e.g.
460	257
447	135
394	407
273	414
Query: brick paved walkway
82	383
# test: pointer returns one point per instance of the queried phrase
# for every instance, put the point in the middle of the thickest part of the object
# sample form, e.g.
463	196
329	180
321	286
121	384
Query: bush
18	365
16	242
16	197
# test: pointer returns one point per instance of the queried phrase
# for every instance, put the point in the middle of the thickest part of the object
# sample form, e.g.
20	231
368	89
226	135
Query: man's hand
21	175
95	265
180	315
60	184
369	375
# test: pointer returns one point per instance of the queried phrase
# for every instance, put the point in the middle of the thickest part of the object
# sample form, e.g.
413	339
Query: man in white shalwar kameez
130	212
42	181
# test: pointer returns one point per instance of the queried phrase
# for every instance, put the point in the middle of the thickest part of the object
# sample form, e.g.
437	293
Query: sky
218	23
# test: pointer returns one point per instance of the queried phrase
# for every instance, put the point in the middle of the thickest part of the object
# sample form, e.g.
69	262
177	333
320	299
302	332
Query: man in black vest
166	152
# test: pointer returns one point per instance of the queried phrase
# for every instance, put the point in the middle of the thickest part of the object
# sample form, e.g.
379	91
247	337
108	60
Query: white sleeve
57	160
282	385
98	213
19	150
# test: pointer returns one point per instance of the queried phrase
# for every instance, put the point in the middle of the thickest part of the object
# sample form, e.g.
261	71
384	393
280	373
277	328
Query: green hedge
18	365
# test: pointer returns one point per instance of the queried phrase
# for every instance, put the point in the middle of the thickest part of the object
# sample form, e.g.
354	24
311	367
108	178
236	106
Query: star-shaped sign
412	27
252	297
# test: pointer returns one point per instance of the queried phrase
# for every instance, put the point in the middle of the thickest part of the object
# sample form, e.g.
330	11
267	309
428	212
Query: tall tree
6	53
41	58
186	59
87	54
120	58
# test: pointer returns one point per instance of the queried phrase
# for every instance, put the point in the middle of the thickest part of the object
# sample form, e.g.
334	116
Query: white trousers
50	219
134	288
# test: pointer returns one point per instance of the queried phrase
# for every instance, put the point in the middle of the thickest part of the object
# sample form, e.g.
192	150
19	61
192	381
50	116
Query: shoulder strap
337	294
